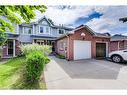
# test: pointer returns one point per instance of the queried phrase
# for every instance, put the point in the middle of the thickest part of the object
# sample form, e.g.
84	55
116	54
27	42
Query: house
118	42
43	32
83	43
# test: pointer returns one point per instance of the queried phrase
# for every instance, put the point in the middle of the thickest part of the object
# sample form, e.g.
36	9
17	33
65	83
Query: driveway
85	74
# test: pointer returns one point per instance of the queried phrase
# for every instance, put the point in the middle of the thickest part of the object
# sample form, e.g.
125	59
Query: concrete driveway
85	74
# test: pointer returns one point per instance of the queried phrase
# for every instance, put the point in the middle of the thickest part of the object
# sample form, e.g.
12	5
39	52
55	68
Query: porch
45	42
10	49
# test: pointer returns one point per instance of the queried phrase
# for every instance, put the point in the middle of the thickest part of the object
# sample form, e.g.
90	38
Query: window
41	30
47	30
61	31
29	31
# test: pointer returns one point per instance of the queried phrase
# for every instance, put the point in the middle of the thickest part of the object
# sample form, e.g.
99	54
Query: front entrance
10	47
100	50
45	42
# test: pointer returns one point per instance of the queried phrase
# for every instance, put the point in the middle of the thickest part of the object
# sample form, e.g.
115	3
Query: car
118	56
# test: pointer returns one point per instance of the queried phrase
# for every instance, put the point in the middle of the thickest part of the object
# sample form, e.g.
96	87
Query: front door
100	50
10	47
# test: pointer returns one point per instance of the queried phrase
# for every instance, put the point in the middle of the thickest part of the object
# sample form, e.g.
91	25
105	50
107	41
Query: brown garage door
100	50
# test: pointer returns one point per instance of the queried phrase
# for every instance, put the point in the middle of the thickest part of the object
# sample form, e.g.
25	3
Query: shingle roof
118	37
12	35
43	37
51	24
106	35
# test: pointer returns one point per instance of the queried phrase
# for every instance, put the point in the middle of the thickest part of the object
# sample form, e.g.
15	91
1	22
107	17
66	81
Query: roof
118	37
12	36
62	27
105	35
49	21
43	37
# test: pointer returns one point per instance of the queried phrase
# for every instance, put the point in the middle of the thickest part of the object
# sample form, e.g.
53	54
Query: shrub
60	56
47	60
34	66
26	49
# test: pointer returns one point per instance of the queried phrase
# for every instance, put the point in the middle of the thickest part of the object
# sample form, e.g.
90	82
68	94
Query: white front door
82	49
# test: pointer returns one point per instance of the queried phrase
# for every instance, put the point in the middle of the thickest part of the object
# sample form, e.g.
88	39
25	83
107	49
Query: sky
101	19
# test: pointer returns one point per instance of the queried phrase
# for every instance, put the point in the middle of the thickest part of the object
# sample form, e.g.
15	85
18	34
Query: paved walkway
85	74
3	61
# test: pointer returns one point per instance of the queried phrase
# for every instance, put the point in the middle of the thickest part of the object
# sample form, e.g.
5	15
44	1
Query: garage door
82	49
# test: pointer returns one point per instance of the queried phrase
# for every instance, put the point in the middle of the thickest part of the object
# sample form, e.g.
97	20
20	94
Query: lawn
11	75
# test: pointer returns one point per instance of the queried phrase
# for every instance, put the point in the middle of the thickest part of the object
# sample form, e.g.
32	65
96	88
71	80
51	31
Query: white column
14	48
23	30
17	28
33	29
118	45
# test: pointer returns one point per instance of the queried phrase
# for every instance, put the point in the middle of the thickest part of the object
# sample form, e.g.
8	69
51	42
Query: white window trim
44	31
48	30
33	27
27	33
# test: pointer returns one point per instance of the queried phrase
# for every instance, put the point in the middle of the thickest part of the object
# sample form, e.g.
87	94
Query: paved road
85	74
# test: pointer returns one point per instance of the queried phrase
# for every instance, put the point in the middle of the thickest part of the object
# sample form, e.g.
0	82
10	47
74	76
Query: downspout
68	47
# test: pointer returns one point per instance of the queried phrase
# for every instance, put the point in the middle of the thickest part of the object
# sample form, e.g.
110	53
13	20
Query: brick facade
5	49
77	36
118	45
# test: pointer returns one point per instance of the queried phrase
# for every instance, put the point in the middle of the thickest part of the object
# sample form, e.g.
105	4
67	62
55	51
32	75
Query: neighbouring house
118	42
43	32
83	43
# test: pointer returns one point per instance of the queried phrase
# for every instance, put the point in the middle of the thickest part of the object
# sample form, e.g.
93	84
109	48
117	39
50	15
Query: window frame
62	30
40	29
44	29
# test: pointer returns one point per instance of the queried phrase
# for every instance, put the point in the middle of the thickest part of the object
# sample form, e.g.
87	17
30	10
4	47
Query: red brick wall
5	49
121	45
125	44
114	45
17	47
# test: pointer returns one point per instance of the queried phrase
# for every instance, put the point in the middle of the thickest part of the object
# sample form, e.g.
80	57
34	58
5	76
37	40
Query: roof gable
45	19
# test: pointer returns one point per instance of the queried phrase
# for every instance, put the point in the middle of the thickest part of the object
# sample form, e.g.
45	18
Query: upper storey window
61	31
47	30
44	30
27	30
41	30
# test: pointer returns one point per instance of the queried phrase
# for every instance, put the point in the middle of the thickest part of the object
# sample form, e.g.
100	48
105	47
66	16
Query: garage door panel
82	49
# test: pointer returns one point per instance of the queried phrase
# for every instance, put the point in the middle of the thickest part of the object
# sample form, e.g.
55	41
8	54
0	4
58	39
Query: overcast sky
100	18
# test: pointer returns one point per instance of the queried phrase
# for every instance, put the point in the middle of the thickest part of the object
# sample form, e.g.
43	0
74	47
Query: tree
123	19
3	38
17	14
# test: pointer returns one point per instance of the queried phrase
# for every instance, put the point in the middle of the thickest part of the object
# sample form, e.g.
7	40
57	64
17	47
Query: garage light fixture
83	35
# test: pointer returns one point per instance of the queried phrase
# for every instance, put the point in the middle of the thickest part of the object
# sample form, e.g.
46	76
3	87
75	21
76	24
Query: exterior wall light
83	35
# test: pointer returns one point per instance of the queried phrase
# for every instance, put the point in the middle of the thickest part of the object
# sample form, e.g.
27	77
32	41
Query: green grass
11	74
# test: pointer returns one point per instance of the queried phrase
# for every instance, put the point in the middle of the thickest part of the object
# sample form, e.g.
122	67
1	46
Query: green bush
47	60
26	49
60	56
34	66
